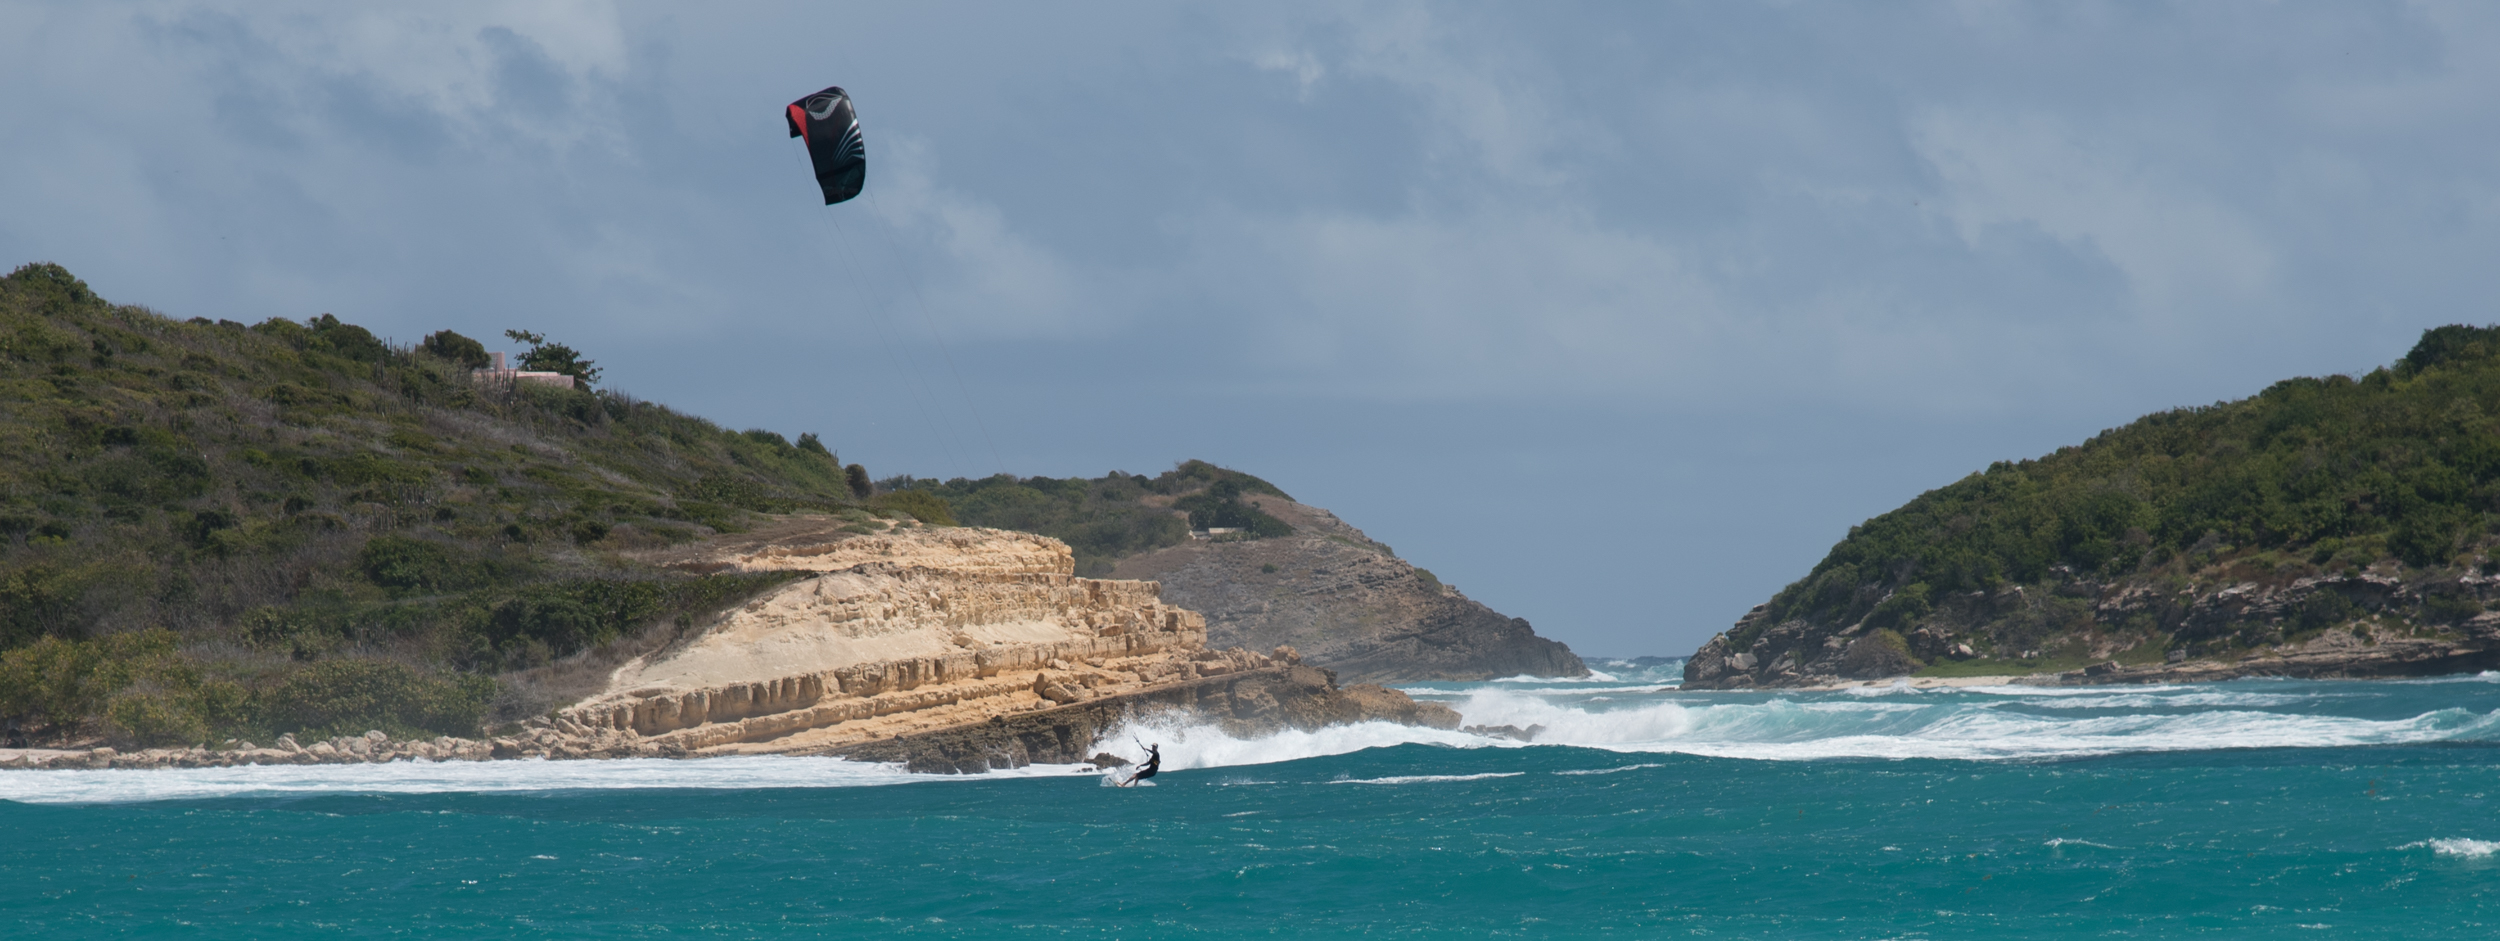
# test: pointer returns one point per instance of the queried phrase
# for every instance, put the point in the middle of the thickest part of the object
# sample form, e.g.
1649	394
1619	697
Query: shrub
2323	608
1220	506
527	625
405	566
2450	608
456	349
1904	608
922	505
204	525
143	688
350	696
347	340
856	477
155	717
543	356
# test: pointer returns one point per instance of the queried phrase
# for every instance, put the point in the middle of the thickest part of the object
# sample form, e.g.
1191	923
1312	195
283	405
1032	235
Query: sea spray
467	777
2460	847
1986	723
2229	810
1190	742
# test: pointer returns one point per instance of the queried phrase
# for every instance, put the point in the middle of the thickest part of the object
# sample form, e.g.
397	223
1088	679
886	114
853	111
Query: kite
831	129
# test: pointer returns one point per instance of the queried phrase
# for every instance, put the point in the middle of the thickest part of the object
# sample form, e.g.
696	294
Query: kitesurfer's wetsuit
1154	763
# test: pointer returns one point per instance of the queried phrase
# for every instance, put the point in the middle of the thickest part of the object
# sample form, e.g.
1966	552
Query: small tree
857	477
456	349
808	442
554	357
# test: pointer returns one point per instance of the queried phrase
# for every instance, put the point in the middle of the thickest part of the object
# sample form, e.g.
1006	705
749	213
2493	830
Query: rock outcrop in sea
2363	624
948	649
1346	602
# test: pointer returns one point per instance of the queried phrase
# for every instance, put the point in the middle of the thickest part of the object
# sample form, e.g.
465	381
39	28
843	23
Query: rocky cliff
2332	525
2360	624
950	649
1346	602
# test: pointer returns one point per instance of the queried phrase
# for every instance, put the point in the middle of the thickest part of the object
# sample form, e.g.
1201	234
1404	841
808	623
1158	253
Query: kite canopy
831	128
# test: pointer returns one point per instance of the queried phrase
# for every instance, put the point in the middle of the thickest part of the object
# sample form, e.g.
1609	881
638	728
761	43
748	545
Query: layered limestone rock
949	649
1346	602
902	631
1254	702
918	631
823	544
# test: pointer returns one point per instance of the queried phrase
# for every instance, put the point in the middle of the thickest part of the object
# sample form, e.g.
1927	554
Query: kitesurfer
1154	763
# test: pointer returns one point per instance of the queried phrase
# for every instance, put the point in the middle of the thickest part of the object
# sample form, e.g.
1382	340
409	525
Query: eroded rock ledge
948	649
2351	626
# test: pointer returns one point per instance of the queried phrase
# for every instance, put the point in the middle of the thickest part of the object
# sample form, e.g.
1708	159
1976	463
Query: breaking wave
1429	778
1888	722
2468	849
1981	723
119	785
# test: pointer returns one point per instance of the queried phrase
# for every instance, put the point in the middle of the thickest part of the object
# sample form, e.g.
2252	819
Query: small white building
502	373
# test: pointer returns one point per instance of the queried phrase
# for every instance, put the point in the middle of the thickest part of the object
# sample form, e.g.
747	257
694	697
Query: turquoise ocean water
2245	809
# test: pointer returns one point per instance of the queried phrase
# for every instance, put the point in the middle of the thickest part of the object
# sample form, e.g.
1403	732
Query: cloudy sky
1616	316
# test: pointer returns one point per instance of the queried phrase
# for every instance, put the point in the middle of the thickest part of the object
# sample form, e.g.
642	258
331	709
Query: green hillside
1113	516
209	529
2396	472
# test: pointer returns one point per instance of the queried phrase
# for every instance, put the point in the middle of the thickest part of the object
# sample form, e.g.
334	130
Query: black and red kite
831	128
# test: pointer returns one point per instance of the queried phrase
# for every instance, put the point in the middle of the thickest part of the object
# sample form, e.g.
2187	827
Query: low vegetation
1113	516
2395	473
210	530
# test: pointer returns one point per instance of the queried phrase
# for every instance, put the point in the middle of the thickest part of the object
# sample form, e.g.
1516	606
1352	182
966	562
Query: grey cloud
1717	275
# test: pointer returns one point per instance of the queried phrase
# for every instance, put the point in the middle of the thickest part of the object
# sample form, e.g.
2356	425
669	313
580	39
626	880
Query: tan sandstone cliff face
903	631
945	649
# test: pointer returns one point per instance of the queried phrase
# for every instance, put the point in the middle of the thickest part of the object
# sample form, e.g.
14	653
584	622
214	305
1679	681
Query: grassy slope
211	529
1112	516
2397	471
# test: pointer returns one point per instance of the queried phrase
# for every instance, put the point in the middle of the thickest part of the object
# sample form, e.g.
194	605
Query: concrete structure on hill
499	372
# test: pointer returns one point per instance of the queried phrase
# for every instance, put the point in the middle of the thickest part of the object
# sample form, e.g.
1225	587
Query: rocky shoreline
1252	702
2351	626
951	650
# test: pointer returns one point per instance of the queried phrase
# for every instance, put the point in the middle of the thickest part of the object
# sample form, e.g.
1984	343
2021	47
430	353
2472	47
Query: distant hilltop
1265	570
2332	526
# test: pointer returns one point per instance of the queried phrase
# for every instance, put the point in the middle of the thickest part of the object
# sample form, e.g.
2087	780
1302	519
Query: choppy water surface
2245	809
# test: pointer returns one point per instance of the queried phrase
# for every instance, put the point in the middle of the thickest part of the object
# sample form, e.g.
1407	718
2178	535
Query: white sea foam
1997	723
1428	778
1189	743
2487	676
1611	770
2465	848
1595	676
1427	693
1808	727
2179	699
427	777
2053	692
